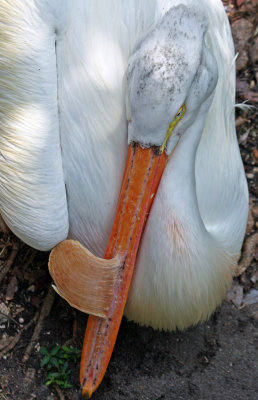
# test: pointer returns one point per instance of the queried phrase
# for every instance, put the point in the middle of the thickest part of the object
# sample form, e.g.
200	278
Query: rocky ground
215	360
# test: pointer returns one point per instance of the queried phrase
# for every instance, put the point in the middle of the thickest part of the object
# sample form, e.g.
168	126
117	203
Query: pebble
37	347
250	176
21	320
31	288
254	278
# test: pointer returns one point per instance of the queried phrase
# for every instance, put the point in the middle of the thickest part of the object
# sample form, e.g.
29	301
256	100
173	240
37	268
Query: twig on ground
32	256
68	342
11	288
17	337
75	326
72	341
59	392
45	310
250	220
3	227
9	262
248	253
10	318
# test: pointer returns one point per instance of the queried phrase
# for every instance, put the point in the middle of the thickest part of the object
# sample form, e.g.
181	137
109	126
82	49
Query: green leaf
44	361
66	385
55	362
49	366
53	374
64	366
54	350
71	353
43	350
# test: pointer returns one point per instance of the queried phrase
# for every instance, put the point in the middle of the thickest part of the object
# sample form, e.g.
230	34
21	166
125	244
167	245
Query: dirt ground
215	360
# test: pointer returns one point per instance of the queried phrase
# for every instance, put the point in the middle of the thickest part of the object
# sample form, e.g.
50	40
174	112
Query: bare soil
215	360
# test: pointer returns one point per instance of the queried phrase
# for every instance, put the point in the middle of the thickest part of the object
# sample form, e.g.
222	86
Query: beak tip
86	393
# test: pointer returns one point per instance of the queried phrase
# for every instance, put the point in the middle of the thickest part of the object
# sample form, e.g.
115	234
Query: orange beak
143	171
140	182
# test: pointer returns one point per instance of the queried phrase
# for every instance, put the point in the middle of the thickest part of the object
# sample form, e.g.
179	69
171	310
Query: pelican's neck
180	178
209	211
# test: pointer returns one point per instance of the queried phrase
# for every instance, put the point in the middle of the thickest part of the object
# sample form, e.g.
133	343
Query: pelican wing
32	189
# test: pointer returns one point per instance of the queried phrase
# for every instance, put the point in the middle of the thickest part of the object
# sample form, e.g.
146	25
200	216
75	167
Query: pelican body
79	82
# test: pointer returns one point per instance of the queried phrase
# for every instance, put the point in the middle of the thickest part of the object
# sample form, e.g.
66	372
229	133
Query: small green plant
56	362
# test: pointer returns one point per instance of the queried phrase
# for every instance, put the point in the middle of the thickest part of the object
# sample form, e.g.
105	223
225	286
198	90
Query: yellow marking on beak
171	127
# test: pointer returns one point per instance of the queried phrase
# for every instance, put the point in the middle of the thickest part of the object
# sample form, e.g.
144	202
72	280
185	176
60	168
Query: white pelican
81	79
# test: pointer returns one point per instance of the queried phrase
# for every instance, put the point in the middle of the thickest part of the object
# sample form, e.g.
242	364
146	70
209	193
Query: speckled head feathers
164	68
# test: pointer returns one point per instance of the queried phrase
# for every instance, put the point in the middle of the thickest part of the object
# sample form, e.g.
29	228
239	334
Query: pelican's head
171	77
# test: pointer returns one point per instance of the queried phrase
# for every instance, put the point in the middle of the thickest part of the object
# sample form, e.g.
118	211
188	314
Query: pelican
82	82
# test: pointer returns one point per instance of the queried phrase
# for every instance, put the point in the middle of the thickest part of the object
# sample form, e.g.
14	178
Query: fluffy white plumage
63	142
